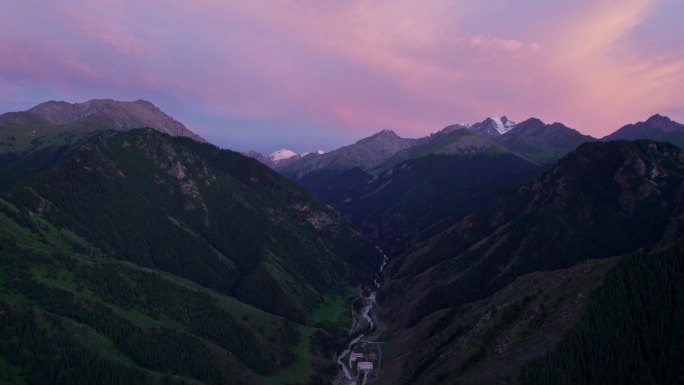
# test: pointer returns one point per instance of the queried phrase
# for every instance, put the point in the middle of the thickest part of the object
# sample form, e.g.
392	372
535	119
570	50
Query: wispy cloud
347	68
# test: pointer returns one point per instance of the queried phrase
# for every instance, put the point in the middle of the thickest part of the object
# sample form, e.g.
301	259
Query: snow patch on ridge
317	152
282	154
503	125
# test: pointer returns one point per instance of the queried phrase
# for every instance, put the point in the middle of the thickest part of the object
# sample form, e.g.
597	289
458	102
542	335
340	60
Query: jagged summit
388	132
384	135
491	127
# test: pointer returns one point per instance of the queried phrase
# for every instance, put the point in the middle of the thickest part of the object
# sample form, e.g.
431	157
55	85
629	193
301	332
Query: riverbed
345	377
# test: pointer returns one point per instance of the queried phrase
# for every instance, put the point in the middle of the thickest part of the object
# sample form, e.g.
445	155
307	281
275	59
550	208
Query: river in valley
344	376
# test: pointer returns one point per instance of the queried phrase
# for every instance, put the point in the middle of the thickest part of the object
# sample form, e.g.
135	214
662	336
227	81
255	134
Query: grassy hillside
610	321
34	135
61	298
488	341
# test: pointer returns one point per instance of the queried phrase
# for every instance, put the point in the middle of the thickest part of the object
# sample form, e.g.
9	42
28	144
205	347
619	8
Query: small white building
365	365
354	356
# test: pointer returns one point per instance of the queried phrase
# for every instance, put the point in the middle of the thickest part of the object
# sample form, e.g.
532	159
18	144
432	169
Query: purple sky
313	74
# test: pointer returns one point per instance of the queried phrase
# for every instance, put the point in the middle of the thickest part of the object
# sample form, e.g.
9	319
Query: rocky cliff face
121	115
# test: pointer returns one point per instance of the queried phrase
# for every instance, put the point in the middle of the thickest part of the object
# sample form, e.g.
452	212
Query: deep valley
134	252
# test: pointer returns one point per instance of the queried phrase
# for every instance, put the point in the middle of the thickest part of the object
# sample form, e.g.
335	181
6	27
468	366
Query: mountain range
366	154
400	190
133	252
533	139
391	186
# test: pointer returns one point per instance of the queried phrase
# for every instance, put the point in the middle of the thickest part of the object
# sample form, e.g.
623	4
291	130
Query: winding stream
367	308
365	314
341	364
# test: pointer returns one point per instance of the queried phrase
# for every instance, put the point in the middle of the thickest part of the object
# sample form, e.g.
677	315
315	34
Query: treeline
632	332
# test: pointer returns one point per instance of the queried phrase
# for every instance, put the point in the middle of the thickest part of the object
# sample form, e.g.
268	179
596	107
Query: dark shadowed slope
366	154
540	142
601	201
448	174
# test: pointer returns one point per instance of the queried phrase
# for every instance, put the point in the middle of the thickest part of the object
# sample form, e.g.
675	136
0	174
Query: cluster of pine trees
632	331
39	318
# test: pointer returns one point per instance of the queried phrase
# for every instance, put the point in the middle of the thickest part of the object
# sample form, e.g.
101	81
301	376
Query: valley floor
365	347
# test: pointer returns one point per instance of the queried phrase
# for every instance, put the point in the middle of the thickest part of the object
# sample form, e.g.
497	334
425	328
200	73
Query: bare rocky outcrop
114	114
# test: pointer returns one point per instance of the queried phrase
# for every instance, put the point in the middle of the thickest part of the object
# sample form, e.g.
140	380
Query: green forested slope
632	332
136	257
71	313
212	216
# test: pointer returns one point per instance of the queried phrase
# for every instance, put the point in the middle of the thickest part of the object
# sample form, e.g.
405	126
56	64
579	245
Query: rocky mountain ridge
656	127
99	114
366	153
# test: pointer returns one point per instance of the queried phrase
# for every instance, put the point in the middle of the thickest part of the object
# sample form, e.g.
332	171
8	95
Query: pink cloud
104	31
354	66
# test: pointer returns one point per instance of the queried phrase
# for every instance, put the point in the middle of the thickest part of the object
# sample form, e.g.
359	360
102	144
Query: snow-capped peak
492	127
282	154
502	124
